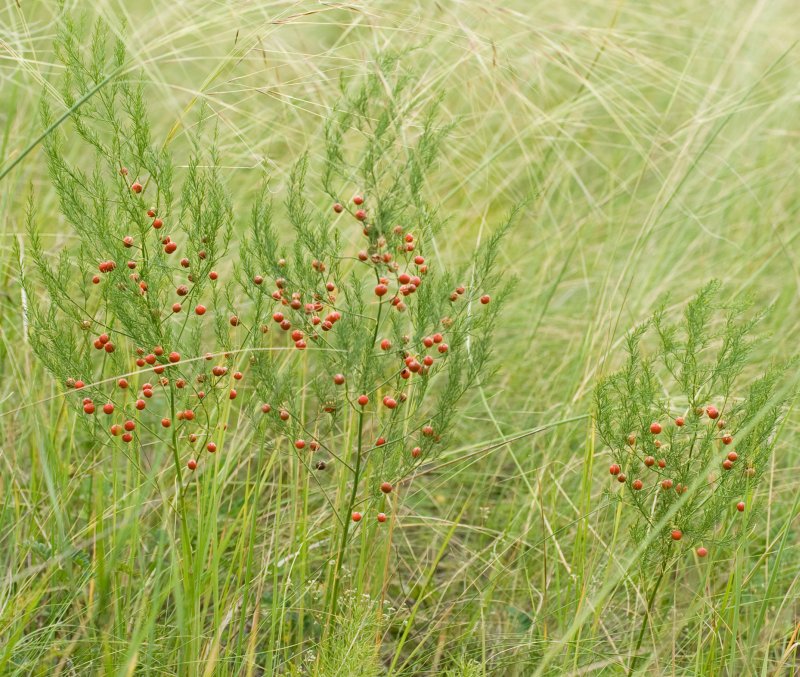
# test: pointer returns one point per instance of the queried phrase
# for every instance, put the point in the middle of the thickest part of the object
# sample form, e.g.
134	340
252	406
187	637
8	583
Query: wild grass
659	142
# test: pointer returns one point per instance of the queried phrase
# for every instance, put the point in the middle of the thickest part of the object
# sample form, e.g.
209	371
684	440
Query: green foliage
688	367
294	307
351	649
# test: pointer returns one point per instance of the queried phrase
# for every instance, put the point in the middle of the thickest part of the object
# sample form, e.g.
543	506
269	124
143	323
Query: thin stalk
651	599
354	491
187	551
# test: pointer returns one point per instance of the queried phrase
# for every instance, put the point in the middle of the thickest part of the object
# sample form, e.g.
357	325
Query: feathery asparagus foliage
688	439
270	329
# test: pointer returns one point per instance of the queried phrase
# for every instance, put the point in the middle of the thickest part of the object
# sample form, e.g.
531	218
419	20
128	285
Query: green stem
651	599
188	579
346	518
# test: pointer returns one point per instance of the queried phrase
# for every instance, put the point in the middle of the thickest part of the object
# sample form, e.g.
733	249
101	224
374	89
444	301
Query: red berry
358	200
443	347
95	279
386	344
389	402
386	488
265	408
740	506
649	461
232	394
637	484
416	452
116	429
727	464
338	379
363	400
212	448
200	310
680	421
278	317
136	187
191	464
655	428
732	456
122	383
108	408
170	247
237	375
284	415
701	551
174	357
485	299
337	208
356	516
621	478
166	423
361	215
88	408
176	307
676	535
381	290
300	444
381	517
614	469
380	442
727	439
662	463
109	347
213	275
666	484
157	223
712	412
127	437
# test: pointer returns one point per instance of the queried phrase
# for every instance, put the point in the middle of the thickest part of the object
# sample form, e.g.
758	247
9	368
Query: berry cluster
654	476
343	346
684	480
